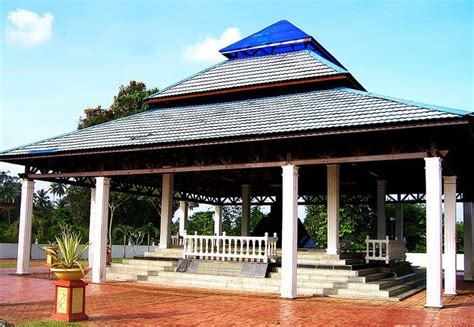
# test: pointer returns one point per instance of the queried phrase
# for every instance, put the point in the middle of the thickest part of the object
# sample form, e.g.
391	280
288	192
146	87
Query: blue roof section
409	102
281	31
279	37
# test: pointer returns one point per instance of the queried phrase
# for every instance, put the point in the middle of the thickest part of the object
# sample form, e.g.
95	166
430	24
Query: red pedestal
70	300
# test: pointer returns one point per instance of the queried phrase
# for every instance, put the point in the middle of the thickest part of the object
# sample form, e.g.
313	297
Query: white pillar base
24	231
289	242
433	233
333	197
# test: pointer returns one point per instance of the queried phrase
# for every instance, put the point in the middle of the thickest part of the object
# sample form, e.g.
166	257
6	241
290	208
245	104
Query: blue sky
84	50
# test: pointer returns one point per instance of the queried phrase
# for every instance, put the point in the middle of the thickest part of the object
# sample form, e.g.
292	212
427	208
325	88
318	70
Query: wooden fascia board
254	88
273	164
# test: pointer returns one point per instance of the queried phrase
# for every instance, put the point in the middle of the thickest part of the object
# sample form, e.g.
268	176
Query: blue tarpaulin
279	37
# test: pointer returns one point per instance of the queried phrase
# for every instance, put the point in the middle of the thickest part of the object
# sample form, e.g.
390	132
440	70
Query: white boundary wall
10	251
420	259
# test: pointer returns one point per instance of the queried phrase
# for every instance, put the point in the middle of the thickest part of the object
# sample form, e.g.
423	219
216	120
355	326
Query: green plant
69	254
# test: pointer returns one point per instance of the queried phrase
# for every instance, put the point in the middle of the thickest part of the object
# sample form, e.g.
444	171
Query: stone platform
346	275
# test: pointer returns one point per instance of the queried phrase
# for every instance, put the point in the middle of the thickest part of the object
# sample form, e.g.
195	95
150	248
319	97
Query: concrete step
149	263
330	272
224	284
392	289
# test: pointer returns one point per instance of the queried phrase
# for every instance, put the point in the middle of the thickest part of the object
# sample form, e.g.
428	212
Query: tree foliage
128	101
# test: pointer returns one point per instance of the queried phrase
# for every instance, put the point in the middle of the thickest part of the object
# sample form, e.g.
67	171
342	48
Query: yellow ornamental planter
70	273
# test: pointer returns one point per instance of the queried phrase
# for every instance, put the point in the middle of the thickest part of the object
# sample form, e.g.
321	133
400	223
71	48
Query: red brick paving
30	298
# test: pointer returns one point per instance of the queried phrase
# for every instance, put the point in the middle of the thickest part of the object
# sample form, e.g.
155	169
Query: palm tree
41	199
57	189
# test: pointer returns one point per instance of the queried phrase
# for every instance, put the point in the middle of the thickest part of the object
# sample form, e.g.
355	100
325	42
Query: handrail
385	250
230	248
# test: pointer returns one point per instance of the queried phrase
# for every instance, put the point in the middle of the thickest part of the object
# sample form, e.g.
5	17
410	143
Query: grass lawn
11	263
47	324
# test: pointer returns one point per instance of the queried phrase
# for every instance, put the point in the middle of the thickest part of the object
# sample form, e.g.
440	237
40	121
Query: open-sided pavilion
280	118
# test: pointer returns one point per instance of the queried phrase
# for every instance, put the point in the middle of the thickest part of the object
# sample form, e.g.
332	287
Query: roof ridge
454	111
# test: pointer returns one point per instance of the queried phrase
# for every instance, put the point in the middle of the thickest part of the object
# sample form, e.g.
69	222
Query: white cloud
27	28
208	49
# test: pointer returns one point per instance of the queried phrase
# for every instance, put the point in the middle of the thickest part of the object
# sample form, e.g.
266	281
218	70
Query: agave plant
69	252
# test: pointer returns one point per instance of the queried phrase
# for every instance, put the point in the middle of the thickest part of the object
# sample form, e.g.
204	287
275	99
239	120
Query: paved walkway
30	298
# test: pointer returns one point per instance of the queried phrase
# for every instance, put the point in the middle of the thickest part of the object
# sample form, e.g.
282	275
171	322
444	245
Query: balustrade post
185	244
224	240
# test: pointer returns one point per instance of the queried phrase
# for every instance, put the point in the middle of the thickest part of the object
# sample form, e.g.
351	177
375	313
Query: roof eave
16	159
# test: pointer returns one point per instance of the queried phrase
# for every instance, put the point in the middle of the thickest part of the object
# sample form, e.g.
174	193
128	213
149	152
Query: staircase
346	275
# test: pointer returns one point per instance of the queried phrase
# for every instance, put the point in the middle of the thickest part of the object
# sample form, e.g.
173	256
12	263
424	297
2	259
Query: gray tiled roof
313	110
254	70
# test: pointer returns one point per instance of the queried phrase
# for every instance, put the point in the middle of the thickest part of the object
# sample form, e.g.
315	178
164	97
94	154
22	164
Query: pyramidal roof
279	53
279	37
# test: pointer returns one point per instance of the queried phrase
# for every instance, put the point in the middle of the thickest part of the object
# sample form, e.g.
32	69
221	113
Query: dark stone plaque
401	268
224	268
254	269
183	265
142	278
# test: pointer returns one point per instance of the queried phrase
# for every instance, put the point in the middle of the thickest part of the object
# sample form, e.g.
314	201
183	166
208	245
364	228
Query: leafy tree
201	222
356	221
122	230
414	225
460	237
78	203
10	192
150	231
256	215
128	101
231	220
116	199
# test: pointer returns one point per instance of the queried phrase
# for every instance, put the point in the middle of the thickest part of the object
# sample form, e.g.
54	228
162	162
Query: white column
166	210
333	197
24	231
289	242
99	232
433	232
450	234
399	221
92	216
183	216
245	209
381	212
468	241
217	220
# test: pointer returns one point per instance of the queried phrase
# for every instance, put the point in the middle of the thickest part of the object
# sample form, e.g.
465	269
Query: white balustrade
230	248
176	240
385	250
